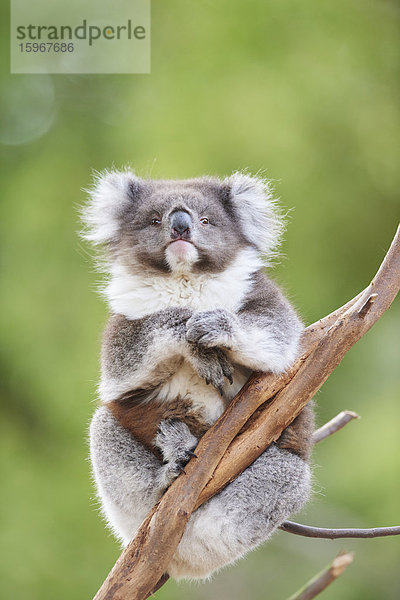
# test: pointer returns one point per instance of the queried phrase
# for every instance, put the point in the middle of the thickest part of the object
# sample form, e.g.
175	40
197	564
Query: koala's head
194	225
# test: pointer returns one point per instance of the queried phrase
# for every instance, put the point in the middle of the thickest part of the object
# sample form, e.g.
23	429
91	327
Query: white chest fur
136	296
186	384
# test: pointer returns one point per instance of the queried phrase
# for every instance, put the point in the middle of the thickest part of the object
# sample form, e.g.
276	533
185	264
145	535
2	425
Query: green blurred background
308	92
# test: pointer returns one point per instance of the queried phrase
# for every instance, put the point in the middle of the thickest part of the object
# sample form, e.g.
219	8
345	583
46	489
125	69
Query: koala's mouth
181	252
180	239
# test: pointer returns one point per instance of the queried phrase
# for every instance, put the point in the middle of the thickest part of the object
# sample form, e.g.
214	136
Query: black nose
180	224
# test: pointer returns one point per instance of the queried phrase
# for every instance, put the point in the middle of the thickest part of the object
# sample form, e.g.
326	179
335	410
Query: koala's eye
156	221
204	220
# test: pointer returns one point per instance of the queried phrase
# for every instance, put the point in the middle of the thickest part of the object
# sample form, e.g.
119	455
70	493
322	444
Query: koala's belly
186	384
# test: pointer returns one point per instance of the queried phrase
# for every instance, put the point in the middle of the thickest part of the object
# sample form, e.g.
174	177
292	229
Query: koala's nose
180	224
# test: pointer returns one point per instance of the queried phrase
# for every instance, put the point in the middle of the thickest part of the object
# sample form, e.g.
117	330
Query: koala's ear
111	196
255	209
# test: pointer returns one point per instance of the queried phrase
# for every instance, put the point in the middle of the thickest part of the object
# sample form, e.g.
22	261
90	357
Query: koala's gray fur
193	315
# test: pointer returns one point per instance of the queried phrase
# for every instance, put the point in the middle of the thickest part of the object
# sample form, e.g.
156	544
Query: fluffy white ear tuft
257	210
112	194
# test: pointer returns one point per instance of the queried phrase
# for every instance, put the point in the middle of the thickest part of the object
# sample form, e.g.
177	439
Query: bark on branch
256	417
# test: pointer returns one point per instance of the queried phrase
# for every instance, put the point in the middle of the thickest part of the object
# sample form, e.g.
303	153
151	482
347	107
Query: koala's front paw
211	328
212	365
176	443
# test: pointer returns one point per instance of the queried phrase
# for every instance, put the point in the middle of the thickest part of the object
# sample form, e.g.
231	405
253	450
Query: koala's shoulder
264	294
120	335
120	326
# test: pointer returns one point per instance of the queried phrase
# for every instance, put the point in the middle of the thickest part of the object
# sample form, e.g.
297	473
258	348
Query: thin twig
334	425
334	534
321	581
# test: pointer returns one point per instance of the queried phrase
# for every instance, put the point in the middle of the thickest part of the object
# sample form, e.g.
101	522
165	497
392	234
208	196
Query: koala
193	314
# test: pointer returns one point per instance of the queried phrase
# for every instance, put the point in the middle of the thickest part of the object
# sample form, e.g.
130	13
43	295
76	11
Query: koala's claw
191	453
226	368
213	366
183	461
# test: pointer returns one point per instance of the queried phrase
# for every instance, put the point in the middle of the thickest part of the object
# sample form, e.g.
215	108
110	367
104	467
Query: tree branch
321	581
334	534
284	396
320	434
222	456
334	425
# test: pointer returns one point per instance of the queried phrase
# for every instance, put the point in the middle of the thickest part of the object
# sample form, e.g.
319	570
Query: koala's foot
212	365
211	328
297	438
176	443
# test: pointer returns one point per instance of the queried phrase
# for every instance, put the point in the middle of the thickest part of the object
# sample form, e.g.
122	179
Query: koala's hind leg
243	515
129	478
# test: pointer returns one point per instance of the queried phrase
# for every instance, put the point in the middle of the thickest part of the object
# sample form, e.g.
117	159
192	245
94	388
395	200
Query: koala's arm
143	353
262	336
139	354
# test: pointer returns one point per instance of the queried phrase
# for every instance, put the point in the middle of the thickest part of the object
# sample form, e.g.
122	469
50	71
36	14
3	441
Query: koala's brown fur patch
142	418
